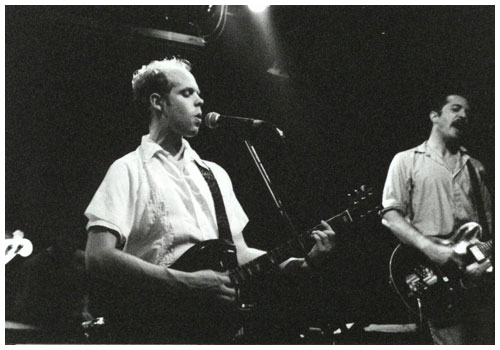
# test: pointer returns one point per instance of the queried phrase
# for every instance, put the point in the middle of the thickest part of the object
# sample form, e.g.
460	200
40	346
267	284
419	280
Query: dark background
359	80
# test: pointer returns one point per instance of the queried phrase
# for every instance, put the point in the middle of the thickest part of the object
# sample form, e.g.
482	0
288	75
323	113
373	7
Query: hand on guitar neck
325	243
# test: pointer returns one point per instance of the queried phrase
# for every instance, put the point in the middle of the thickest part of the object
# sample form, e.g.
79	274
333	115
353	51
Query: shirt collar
424	149
191	155
149	148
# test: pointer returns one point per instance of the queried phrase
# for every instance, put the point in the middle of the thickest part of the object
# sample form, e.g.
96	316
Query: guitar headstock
17	245
362	203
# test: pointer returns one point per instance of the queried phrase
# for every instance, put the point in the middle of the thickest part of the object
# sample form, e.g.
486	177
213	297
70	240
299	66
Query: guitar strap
220	210
478	199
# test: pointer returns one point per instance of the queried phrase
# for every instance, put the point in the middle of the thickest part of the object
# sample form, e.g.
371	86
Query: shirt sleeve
113	204
396	194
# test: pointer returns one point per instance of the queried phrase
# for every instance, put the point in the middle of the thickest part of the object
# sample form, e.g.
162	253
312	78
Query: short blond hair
153	78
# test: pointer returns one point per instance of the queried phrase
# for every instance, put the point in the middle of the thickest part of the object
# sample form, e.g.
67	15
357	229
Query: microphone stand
267	181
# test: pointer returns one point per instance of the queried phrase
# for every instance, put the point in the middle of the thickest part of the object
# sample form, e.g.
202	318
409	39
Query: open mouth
459	125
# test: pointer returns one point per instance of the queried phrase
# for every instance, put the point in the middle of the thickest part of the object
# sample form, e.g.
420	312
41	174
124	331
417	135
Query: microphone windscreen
211	119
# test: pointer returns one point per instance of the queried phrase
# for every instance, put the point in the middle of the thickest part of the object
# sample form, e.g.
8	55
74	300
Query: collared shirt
432	197
160	204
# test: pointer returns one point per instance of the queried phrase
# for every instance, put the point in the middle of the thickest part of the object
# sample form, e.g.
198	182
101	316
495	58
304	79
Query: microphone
214	120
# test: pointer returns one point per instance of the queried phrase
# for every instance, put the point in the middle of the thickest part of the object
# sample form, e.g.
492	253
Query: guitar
220	255
437	290
17	245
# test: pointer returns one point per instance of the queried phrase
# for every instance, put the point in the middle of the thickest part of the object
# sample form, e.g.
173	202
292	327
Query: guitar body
219	255
213	254
438	291
190	315
416	279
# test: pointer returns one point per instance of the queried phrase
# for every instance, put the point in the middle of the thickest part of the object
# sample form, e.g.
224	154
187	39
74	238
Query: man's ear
433	115
155	101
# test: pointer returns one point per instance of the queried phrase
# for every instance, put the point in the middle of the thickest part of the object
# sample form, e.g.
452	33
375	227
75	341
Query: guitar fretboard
486	247
300	244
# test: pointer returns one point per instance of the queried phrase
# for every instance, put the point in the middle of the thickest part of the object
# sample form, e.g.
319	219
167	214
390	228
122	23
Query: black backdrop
359	80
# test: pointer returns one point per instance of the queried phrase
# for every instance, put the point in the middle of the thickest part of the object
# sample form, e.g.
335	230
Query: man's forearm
404	231
122	268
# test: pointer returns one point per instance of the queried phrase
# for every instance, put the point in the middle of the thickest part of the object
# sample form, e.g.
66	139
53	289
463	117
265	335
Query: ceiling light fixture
257	7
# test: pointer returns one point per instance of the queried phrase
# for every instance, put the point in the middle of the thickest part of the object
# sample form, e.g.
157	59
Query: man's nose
199	101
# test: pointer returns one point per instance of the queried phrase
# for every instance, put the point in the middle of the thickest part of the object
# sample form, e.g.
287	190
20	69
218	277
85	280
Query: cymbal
20	326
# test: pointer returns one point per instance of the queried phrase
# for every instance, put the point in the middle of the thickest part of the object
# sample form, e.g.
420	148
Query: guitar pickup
430	279
418	282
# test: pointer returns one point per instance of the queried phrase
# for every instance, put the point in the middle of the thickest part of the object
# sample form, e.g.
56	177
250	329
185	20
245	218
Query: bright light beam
257	7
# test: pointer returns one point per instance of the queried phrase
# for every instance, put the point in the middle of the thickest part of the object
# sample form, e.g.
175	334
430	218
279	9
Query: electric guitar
17	245
219	255
437	291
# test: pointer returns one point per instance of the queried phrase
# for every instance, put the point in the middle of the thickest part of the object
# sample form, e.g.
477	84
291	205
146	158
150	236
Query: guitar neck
299	245
486	247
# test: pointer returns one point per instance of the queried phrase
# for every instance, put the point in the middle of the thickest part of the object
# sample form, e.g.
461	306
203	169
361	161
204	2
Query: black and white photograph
309	174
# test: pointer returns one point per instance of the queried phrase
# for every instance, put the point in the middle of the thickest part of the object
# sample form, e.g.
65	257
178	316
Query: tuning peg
18	234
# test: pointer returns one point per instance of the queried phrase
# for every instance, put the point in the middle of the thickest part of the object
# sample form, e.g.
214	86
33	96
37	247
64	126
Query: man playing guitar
153	205
429	192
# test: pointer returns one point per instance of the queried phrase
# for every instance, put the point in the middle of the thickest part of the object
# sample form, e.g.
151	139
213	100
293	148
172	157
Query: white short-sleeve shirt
160	204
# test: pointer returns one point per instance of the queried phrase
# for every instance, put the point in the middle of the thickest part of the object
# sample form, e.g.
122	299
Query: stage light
257	7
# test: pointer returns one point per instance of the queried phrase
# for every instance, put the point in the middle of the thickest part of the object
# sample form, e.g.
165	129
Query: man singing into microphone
152	206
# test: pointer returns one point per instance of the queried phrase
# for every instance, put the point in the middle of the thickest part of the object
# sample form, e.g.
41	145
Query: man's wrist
310	262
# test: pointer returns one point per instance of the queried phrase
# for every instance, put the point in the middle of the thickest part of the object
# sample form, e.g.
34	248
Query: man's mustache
460	123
